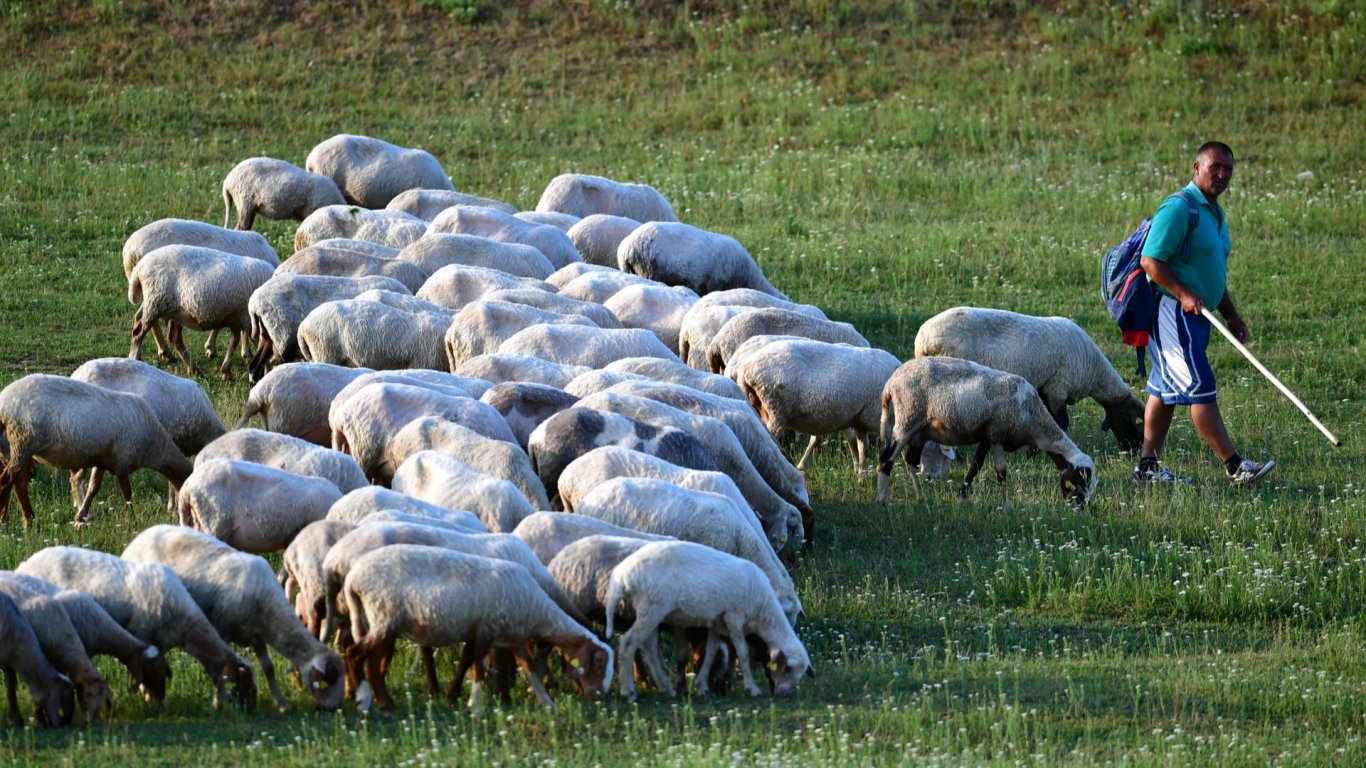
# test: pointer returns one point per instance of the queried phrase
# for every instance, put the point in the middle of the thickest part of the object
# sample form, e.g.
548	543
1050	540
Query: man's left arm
1235	322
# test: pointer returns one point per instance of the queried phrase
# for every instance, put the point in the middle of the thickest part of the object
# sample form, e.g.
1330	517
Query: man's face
1213	171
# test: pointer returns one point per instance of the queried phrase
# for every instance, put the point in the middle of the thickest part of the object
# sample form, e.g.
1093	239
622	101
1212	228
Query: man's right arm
1161	273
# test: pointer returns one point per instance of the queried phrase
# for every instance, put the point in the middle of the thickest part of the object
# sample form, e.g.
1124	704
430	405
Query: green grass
884	161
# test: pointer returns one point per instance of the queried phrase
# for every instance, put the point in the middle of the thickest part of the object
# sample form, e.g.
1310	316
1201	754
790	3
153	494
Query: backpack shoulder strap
1192	220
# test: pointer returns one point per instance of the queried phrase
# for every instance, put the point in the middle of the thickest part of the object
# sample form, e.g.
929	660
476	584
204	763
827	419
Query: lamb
369	334
959	402
293	399
691	585
239	503
448	482
567	435
281	304
485	603
361	505
524	405
371	173
554	302
437	250
60	643
599	285
495	458
21	656
548	533
151	602
455	285
199	288
73	425
1053	353
775	320
292	454
506	228
582	475
364	423
499	368
584	569
656	308
274	189
427	203
582	195
671	372
241	598
583	345
301	569
570	272
482	326
596	237
680	254
560	221
658	506
332	261
388	228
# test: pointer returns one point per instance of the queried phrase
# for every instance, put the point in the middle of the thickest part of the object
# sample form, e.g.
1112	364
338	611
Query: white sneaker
1161	475
1251	471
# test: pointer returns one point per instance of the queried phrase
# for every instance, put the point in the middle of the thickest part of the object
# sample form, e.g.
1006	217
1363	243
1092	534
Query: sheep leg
655	663
139	332
469	657
912	465
505	672
999	454
12	698
83	511
735	627
256	368
805	461
626	656
77	480
355	668
177	339
429	669
211	344
884	469
477	672
163	351
20	472
703	680
268	669
529	669
973	468
225	370
376	664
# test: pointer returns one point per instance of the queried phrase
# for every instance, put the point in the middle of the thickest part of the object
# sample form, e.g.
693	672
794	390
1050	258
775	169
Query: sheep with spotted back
455	285
439	249
584	345
480	327
371	172
369	334
551	241
776	320
496	458
322	259
253	507
500	367
22	657
448	482
291	454
597	237
547	533
426	204
524	405
60	644
580	194
294	398
275	189
681	254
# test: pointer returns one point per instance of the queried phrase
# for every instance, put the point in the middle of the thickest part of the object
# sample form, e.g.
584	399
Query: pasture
883	161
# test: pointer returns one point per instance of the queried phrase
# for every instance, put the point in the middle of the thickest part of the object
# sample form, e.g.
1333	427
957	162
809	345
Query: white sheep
437	381
597	237
60	643
334	261
361	505
581	195
599	285
656	308
239	503
351	244
776	320
199	288
455	285
585	473
392	229
278	306
301	569
524	405
711	312
561	221
293	399
598	379
407	303
439	249
73	425
754	299
673	372
496	458
1054	354
583	568
274	189
570	272
683	584
448	482
498	367
959	402
22	657
480	327
151	602
481	602
289	453
371	172
240	596
427	203
681	254
554	302
370	334
552	242
547	533
584	345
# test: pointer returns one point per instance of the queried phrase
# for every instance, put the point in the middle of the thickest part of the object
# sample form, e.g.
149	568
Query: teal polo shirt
1205	272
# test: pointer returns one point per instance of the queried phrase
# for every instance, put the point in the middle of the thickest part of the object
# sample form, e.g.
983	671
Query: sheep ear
811	672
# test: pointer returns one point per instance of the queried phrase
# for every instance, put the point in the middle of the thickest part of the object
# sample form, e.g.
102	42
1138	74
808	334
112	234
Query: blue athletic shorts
1181	374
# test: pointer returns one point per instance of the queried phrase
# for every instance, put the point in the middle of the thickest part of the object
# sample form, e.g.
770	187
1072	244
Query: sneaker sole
1265	469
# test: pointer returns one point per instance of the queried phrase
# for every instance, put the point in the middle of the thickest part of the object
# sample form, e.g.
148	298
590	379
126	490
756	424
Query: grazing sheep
680	254
571	433
347	262
274	189
599	285
547	533
570	272
711	312
482	326
754	299
278	306
448	482
427	203
561	221
292	454
436	250
352	245
371	173
151	602
817	388
584	345
495	458
164	232
672	372
683	584
301	569
437	381
776	320
752	346
73	425
60	643
1053	353
388	228
241	597
524	405
581	195
554	302
656	308
407	303
959	402
597	237
365	423
455	285
293	399
506	228
597	380
240	503
21	656
583	568
368	334
361	505
199	288
582	475
500	368
438	597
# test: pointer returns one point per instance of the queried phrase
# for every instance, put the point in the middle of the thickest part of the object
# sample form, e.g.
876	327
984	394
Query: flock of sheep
434	373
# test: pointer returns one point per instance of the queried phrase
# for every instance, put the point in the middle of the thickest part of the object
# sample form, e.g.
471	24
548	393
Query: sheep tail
360	627
227	205
615	592
888	418
135	289
251	409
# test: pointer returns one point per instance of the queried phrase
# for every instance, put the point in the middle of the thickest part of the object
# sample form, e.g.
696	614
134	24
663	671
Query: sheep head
237	674
150	673
1078	483
55	706
323	676
589	663
1125	421
786	668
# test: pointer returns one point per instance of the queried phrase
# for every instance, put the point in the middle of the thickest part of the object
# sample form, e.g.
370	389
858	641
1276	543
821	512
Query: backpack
1124	286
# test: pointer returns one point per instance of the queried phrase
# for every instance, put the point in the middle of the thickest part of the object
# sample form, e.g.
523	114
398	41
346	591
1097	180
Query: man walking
1189	277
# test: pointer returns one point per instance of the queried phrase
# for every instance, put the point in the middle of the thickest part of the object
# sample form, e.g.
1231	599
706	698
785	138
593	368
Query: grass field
884	161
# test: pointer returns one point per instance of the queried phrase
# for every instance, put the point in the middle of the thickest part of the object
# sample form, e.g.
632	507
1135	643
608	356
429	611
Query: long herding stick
1283	388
